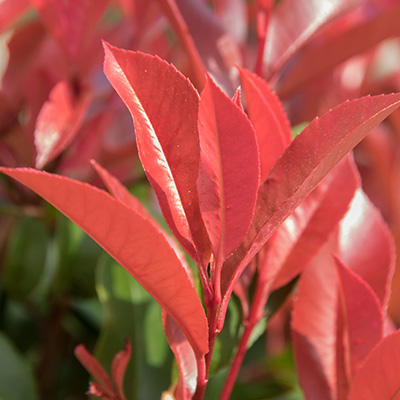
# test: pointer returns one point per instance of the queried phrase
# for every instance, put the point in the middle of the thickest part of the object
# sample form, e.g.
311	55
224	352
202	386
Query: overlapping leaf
363	317
314	327
219	52
366	246
185	358
332	50
268	118
293	23
378	377
306	230
58	122
70	22
135	242
164	108
229	171
313	153
11	10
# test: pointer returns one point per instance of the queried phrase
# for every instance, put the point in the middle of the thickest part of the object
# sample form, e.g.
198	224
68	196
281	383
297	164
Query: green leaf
26	257
131	313
16	378
227	340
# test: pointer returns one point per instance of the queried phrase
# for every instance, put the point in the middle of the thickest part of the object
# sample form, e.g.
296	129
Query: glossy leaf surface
185	358
58	122
70	22
164	107
131	240
229	170
366	246
362	315
330	51
314	327
378	377
306	230
309	158
293	23
268	118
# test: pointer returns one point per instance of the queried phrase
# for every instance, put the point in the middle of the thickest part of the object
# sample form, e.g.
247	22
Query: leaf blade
126	235
229	171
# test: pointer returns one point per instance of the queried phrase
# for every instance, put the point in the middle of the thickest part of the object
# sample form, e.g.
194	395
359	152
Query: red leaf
119	191
58	122
328	52
366	246
95	369
185	358
134	242
118	368
314	327
379	377
10	10
164	107
70	22
310	157
268	118
293	23
304	232
219	52
229	171
363	318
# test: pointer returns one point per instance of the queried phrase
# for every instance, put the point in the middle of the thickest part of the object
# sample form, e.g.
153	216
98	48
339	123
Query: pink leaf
70	22
379	377
58	122
310	157
363	318
95	369
218	50
293	23
119	191
185	358
330	51
268	118
118	368
366	246
10	10
305	231
134	242
164	107
229	170
314	327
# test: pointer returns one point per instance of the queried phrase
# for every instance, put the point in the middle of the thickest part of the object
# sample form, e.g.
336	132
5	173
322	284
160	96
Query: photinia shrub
257	224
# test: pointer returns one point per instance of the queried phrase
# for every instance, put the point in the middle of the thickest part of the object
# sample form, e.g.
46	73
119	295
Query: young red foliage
164	105
304	17
130	239
330	50
268	118
58	122
229	171
314	327
366	246
306	230
106	388
70	23
303	165
185	359
362	315
10	10
378	377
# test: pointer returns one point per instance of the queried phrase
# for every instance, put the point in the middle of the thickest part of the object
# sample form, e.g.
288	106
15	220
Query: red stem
180	28
256	313
264	8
